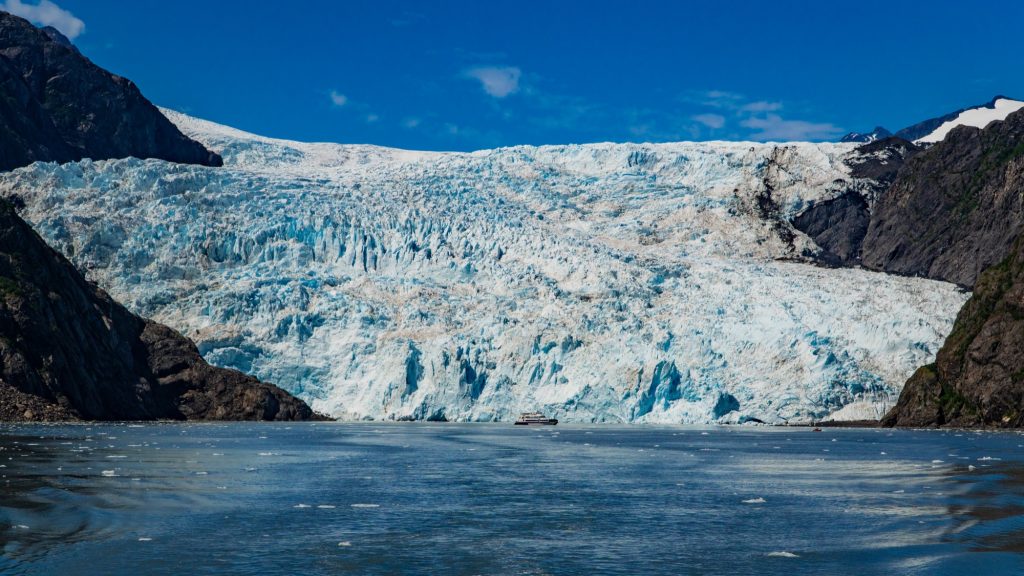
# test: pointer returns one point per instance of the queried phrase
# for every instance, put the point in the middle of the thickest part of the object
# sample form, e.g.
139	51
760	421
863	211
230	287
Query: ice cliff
602	282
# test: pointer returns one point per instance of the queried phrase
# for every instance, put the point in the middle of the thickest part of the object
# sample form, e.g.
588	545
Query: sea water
407	498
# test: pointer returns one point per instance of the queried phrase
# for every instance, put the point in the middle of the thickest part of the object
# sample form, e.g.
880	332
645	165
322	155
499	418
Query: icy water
456	499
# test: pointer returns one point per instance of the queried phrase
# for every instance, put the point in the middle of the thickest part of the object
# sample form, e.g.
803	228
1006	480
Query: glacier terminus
596	283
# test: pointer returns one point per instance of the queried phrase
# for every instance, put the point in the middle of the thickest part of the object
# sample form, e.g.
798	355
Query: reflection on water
988	512
491	499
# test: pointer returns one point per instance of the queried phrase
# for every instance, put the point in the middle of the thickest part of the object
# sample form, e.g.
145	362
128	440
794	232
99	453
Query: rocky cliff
838	225
978	376
954	209
67	350
56	105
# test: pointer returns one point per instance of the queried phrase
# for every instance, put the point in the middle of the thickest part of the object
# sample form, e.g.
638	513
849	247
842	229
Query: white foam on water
754	501
783	554
366	505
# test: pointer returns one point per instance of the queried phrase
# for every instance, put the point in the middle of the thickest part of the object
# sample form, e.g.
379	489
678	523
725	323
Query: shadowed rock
978	376
840	224
56	105
954	209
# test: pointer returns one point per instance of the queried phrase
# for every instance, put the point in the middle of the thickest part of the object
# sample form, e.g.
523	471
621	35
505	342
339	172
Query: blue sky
456	75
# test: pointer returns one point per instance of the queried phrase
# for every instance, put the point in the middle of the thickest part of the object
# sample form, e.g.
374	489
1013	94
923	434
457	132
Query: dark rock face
954	209
67	350
839	225
56	105
978	376
881	160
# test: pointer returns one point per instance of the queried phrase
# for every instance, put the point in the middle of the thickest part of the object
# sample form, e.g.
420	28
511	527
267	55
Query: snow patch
976	117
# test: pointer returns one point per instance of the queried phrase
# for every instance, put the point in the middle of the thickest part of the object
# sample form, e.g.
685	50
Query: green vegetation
954	403
10	287
988	293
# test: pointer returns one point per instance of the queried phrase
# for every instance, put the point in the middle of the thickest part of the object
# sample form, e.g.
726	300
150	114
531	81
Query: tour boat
527	418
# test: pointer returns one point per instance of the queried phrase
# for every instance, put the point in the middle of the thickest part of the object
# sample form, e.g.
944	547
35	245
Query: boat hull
548	422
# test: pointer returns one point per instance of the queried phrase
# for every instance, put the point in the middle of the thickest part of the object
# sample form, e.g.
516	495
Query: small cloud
774	127
723	95
371	118
714	98
713	121
411	122
498	82
761	106
338	99
46	13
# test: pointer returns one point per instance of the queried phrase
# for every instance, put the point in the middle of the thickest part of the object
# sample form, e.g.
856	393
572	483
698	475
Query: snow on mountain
978	117
879	133
602	282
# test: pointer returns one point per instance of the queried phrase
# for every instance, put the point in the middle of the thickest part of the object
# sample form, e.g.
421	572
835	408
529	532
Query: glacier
597	283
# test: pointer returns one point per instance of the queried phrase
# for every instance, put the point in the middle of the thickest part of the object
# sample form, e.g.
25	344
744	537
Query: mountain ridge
919	132
59	106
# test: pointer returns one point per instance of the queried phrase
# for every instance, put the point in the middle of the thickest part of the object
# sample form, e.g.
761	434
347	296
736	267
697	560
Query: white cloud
761	106
338	99
497	81
411	122
371	118
774	127
46	13
713	121
714	98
